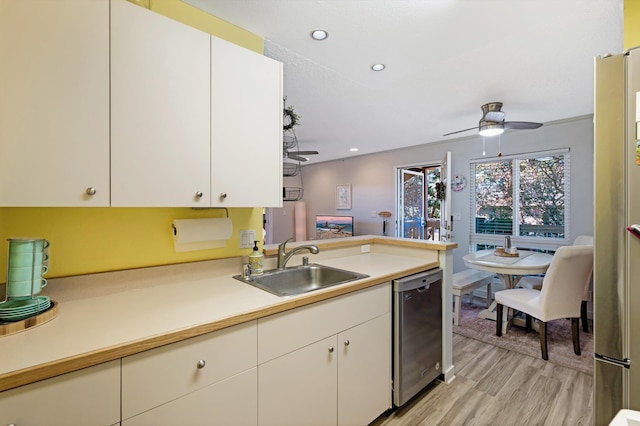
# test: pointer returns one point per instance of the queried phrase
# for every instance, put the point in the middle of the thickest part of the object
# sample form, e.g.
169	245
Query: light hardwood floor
495	386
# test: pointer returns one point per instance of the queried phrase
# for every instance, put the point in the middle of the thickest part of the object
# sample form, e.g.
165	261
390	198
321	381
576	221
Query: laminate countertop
106	316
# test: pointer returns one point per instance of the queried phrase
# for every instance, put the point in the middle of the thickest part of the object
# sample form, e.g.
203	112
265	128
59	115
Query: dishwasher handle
420	280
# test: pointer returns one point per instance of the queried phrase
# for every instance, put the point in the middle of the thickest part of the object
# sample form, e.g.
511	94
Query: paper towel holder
226	210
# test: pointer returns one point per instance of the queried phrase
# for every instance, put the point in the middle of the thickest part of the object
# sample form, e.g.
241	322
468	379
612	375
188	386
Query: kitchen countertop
110	315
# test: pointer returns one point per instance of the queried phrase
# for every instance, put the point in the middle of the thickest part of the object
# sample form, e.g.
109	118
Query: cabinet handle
91	191
201	363
199	194
346	342
223	195
330	348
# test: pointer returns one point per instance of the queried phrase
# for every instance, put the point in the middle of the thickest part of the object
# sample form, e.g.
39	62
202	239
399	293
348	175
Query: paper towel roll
201	234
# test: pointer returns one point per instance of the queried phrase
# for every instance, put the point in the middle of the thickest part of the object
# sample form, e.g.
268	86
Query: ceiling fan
492	122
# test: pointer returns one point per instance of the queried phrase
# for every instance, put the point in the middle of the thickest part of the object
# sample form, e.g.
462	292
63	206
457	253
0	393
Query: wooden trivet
7	328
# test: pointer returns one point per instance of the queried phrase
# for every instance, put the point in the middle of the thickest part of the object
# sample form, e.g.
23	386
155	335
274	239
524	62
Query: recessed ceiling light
378	67
353	149
319	34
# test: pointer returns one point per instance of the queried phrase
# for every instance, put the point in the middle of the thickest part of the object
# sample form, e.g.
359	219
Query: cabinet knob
201	363
330	348
346	342
199	194
91	191
223	195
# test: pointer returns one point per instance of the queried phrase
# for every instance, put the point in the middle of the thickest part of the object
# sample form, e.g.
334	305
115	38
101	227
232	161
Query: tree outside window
522	196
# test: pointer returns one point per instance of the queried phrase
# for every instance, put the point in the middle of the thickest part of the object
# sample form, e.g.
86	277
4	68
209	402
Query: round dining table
509	268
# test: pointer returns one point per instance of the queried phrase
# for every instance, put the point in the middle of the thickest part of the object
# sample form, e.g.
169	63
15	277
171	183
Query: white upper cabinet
108	103
160	109
246	127
54	103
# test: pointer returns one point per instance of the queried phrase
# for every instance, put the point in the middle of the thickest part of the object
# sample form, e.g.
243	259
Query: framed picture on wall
343	197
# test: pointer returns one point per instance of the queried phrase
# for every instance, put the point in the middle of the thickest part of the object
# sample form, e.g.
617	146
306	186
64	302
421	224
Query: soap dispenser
255	260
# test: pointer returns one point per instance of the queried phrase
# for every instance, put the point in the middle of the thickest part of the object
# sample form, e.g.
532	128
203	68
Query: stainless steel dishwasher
417	333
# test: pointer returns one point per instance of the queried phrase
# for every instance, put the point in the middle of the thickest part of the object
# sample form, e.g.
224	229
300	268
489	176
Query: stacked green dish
16	310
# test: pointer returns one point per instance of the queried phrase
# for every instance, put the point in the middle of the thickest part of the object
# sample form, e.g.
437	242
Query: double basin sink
297	280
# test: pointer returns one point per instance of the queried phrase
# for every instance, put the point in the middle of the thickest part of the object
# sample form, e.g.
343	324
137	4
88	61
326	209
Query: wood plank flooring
494	386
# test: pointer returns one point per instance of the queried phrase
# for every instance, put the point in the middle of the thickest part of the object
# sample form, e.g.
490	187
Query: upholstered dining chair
559	297
536	282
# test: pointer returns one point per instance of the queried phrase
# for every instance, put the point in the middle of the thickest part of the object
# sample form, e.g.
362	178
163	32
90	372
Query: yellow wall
88	240
631	23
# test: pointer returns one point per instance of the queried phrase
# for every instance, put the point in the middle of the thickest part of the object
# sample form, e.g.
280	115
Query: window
524	196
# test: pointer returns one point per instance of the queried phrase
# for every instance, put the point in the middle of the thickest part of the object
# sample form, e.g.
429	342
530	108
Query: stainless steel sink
300	279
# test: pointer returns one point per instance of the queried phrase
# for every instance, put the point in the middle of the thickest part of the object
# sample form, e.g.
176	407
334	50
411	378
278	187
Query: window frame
524	242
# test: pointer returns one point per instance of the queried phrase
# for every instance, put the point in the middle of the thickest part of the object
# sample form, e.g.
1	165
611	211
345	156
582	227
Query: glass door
410	214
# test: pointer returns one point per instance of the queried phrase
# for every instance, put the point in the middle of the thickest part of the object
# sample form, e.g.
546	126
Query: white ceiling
444	58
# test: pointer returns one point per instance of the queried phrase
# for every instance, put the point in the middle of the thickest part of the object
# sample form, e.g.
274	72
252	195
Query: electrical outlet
247	237
374	214
365	248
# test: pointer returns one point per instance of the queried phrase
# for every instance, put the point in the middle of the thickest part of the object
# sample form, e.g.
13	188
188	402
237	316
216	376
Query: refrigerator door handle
626	363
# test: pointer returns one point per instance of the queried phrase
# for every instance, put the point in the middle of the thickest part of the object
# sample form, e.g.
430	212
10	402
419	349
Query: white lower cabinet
328	363
364	375
86	397
205	380
232	402
343	378
300	388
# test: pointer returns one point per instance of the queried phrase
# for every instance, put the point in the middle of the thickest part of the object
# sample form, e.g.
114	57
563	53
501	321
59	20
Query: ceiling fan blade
521	125
296	157
306	152
460	131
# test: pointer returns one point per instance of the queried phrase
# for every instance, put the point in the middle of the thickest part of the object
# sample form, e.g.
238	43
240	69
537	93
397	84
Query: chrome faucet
283	257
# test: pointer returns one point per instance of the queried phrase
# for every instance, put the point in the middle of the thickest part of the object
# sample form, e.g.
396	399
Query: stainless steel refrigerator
617	249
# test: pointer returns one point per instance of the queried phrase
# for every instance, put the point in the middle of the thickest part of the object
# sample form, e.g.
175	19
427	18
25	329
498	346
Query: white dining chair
536	282
559	297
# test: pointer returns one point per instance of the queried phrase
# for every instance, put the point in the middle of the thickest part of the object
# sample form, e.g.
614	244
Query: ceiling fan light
491	129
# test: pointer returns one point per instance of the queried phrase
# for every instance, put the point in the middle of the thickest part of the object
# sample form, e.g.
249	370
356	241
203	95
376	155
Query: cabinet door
287	331
86	397
246	127
233	401
157	376
300	388
54	103
364	372
160	113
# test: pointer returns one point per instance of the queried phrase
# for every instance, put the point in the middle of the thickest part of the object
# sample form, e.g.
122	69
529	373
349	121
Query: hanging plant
291	118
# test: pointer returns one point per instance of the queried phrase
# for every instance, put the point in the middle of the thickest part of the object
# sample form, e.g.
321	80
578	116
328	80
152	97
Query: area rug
559	343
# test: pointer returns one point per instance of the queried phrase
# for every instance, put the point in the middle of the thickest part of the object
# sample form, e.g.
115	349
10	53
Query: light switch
247	237
457	216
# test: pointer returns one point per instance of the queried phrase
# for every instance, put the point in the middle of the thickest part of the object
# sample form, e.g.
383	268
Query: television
328	227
